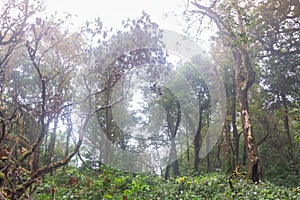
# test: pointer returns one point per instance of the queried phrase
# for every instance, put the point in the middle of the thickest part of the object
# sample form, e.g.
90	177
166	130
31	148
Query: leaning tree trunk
254	168
244	80
243	84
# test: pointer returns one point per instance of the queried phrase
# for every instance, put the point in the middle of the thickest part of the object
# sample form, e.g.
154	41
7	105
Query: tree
201	92
36	93
278	35
170	103
11	34
231	136
111	64
230	19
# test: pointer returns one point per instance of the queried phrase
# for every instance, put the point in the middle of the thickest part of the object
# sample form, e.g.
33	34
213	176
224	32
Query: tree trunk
243	83
190	127
108	149
244	74
219	166
187	146
289	137
69	132
226	148
167	174
175	163
244	155
208	138
178	120
208	167
236	136
197	140
244	80
51	146
173	128
254	167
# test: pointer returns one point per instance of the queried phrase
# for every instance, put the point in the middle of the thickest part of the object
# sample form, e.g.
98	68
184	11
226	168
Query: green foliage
109	184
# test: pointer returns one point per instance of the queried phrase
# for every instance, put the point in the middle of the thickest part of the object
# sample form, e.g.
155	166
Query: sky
112	12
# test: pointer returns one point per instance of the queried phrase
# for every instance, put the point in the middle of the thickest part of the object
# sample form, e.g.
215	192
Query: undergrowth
110	184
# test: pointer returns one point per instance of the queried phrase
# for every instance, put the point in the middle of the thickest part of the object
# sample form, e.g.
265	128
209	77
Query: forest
141	112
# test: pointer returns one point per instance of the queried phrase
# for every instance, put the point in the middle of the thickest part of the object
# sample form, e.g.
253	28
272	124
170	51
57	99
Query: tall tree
230	18
230	133
173	111
36	92
201	92
11	35
112	62
277	30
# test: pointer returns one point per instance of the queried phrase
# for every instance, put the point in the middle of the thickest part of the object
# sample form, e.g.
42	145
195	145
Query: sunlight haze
113	12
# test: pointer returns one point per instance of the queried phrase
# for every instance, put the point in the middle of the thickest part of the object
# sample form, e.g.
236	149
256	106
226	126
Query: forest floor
72	183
